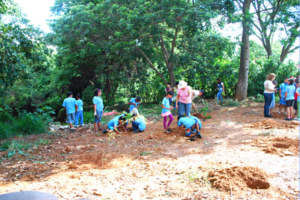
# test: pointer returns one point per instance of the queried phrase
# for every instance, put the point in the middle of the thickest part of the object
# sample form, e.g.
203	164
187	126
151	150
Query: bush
25	124
231	103
259	98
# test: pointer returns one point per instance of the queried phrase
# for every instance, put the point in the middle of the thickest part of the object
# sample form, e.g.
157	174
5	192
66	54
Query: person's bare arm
280	93
162	105
132	103
177	99
116	129
285	94
297	93
223	88
76	106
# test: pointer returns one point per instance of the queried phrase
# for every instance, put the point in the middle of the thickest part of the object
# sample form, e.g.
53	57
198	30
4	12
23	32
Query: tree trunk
242	84
172	77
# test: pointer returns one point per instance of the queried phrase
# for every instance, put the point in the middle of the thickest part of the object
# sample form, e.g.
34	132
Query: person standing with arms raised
184	99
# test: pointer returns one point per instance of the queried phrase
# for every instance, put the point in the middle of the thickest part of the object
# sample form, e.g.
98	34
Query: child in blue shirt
190	123
70	105
98	109
138	125
282	101
289	98
115	123
134	105
79	112
166	111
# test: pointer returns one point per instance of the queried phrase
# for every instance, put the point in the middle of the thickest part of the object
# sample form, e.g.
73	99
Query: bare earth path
233	160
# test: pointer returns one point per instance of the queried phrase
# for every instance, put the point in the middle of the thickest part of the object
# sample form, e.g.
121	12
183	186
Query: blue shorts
71	118
99	114
282	101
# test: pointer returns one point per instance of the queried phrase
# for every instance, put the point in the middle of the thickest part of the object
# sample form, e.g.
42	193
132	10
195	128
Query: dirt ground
235	159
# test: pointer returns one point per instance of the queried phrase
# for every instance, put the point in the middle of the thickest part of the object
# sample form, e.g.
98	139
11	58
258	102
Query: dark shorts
289	103
295	105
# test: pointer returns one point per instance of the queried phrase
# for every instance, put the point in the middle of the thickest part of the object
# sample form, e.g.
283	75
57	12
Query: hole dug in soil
278	145
235	178
270	123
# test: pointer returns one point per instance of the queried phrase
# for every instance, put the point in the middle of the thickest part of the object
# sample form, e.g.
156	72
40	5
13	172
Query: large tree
269	17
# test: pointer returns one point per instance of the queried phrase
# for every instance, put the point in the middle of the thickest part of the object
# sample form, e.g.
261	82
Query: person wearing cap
221	89
134	105
196	93
184	99
70	105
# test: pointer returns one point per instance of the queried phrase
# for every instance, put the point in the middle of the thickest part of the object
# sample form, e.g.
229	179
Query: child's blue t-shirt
166	103
290	90
198	120
98	102
283	88
142	123
186	121
132	106
69	103
79	104
298	97
114	122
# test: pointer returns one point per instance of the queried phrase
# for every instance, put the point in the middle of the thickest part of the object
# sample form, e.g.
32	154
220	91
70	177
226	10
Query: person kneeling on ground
192	125
134	105
138	124
116	123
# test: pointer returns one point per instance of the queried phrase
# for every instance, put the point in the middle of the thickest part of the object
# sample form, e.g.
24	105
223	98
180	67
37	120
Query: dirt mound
234	178
278	145
200	116
270	123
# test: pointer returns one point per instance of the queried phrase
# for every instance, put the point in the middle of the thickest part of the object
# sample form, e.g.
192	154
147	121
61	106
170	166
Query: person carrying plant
79	111
98	109
282	101
70	105
190	123
166	111
289	97
116	123
134	105
195	94
221	89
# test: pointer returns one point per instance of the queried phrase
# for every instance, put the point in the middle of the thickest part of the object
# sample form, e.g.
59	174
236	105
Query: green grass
231	103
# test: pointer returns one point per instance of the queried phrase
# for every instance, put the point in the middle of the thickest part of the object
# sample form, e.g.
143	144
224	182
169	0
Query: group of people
289	94
181	97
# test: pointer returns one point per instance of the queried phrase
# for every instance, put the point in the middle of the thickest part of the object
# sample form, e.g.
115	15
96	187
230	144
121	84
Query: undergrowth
231	103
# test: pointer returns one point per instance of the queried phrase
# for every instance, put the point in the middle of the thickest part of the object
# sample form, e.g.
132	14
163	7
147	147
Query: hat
202	91
182	84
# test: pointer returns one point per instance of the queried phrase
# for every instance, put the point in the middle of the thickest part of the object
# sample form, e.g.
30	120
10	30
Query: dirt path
229	161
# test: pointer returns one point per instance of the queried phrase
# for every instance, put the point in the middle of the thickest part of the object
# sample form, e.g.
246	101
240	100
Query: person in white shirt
268	93
195	94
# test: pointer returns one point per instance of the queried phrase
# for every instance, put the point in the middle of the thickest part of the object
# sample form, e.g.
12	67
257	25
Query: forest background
129	48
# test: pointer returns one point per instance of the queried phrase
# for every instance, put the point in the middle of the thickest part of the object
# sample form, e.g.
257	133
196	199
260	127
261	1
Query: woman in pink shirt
184	99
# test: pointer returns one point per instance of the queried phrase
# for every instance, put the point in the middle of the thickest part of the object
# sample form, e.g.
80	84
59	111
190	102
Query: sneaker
169	129
192	139
105	131
198	135
75	126
135	131
290	119
287	119
269	116
81	125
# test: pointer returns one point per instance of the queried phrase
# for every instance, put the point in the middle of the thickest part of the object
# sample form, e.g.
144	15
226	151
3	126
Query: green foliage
25	124
259	98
